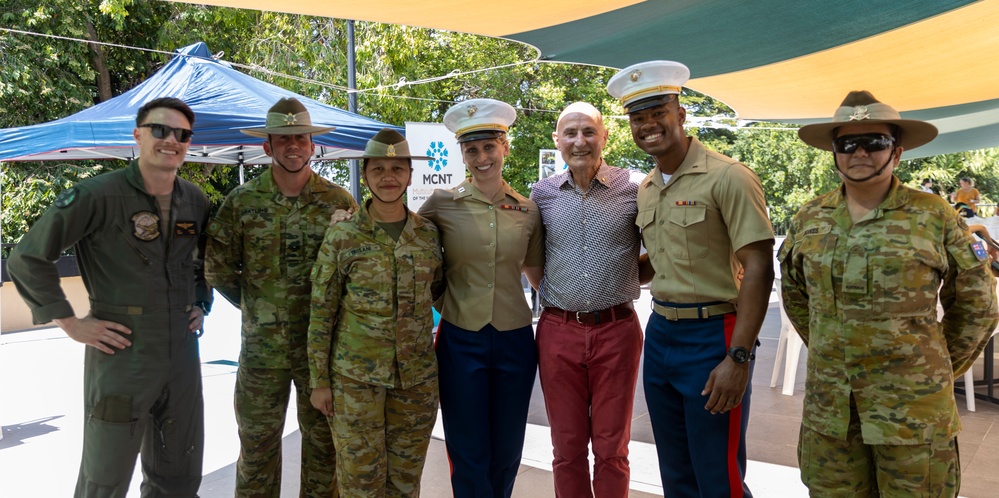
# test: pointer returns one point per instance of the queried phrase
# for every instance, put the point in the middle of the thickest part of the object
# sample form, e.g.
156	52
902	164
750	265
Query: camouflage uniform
370	337
863	297
261	249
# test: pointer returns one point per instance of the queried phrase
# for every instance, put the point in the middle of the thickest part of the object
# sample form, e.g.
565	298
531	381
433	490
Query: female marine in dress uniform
485	345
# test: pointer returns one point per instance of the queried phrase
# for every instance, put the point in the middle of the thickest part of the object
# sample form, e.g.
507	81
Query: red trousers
588	375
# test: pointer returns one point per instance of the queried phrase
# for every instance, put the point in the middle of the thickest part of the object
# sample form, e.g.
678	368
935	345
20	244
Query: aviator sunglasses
160	131
871	142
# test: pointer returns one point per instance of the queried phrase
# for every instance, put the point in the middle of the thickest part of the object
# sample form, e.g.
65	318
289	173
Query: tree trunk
97	57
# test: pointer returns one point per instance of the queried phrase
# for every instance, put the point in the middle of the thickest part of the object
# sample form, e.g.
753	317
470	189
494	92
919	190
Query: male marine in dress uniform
371	352
703	220
138	239
863	267
262	245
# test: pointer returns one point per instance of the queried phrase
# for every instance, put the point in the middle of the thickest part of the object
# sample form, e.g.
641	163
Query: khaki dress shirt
711	207
486	244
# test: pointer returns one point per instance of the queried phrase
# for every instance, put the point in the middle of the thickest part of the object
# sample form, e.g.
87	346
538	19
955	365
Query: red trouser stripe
734	426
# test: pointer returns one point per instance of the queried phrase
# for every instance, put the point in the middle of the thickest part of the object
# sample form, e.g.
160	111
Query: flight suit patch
185	228
66	197
147	225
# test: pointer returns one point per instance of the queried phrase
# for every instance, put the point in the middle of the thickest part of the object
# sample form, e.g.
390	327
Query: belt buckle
577	318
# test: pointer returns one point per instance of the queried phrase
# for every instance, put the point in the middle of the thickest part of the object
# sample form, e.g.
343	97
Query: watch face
740	355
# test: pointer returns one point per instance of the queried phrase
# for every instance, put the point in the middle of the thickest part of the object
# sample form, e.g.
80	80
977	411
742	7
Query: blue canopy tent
224	101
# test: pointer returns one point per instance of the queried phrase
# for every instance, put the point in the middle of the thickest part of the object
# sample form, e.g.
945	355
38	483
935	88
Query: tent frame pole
355	174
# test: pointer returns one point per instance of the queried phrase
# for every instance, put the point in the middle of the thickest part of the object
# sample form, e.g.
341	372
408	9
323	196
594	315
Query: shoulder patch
66	197
978	249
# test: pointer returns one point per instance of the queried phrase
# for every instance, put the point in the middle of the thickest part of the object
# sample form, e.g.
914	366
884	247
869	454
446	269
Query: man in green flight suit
371	353
261	248
863	267
138	239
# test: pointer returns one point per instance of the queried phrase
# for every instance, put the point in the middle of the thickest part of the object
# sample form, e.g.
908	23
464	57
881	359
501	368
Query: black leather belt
611	314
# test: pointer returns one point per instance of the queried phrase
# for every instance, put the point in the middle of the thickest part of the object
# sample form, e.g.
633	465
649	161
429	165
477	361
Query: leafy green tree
403	73
791	171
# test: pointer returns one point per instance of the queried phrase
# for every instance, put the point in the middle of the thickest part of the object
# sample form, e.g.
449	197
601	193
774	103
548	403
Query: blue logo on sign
439	155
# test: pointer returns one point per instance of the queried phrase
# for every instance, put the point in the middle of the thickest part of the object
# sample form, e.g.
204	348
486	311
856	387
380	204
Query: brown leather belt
611	314
693	312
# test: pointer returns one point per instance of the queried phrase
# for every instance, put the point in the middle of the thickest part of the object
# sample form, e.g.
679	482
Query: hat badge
472	110
390	151
860	112
635	75
290	119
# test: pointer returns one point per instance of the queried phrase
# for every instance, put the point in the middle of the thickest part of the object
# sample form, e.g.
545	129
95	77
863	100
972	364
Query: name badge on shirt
185	228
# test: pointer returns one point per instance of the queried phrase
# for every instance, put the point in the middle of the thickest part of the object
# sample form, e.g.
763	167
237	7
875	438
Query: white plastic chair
788	348
969	383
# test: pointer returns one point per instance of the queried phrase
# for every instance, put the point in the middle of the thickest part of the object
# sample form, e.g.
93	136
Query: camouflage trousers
848	468
381	436
261	402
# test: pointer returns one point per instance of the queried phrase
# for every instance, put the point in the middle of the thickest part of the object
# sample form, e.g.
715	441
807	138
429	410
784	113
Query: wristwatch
205	306
740	354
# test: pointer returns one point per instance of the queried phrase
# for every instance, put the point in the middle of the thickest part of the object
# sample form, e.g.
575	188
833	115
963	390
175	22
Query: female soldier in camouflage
370	335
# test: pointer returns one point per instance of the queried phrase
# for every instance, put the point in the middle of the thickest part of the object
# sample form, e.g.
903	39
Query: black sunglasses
161	131
871	142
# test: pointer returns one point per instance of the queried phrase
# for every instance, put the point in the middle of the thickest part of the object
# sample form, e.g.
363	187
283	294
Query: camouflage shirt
371	303
261	248
863	296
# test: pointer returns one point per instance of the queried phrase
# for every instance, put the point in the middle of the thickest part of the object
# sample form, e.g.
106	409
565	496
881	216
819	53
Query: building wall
15	315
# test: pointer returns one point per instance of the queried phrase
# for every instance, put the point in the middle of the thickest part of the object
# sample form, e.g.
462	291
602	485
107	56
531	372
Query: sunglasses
871	142
161	131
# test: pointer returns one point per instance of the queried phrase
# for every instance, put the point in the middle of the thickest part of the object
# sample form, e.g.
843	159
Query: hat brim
262	132
650	102
914	133
480	135
365	156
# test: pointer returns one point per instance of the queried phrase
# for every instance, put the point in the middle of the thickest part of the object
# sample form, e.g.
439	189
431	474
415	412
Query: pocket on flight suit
113	442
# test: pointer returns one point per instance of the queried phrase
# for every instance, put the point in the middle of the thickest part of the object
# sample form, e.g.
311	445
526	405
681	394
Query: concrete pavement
42	419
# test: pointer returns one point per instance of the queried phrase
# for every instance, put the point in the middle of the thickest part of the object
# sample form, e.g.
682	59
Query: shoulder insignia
978	248
147	225
66	197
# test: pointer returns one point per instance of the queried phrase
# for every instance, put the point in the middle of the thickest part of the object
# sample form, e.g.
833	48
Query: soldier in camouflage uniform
862	269
370	335
262	245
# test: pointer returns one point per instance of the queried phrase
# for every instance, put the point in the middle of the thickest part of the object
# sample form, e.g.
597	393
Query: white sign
550	163
446	170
